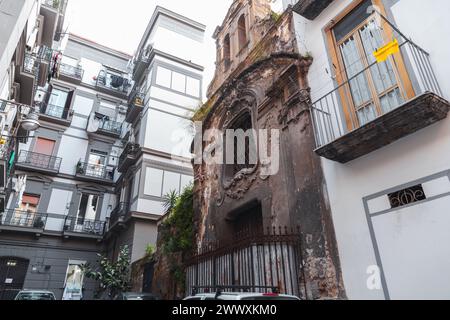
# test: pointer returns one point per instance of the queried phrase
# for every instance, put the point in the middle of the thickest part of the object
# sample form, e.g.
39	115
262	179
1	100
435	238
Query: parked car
35	295
245	296
136	296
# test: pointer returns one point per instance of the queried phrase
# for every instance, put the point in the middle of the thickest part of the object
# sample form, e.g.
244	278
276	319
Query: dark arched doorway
13	271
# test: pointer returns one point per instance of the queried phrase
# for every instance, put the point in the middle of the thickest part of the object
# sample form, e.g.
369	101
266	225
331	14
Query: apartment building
156	159
382	133
62	189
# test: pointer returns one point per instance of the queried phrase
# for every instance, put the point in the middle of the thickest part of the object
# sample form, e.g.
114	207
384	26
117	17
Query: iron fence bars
53	111
23	219
96	171
38	160
119	213
340	112
111	126
84	226
112	82
254	262
76	72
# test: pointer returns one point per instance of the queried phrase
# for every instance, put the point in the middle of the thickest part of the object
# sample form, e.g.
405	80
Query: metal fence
332	113
71	71
255	262
37	160
95	171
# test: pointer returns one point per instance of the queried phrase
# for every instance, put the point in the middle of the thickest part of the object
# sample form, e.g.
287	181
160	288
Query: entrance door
12	276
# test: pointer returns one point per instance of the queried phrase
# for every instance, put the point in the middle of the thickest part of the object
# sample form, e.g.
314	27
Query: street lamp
31	122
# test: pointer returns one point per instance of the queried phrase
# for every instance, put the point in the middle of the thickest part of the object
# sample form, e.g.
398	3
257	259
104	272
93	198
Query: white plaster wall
71	151
422	154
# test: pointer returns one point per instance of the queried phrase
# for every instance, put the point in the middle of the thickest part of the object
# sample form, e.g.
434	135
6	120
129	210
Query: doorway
13	272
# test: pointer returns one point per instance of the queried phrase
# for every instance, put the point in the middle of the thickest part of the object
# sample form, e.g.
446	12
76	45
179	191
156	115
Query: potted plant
79	169
39	223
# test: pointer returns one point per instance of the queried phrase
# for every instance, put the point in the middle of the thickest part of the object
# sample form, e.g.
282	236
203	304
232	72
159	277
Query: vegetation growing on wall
114	277
177	232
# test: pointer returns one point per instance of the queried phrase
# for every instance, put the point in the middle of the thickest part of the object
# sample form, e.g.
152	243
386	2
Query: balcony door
26	214
43	151
87	212
372	89
96	165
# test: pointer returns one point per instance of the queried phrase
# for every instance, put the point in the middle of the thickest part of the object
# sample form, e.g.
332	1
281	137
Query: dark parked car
137	296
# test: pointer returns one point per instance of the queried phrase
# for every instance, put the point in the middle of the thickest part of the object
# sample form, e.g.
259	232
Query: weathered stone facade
269	83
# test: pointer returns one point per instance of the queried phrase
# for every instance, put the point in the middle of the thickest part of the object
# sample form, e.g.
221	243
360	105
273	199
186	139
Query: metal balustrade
85	226
38	160
111	126
96	171
119	213
71	71
23	219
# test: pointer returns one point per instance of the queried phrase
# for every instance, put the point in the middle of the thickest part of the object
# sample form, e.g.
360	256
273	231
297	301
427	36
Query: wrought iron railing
252	260
30	63
71	71
119	213
54	111
85	226
111	126
131	150
38	160
113	82
331	116
55	4
24	219
96	171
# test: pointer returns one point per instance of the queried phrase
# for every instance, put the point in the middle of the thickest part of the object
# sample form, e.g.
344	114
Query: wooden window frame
400	70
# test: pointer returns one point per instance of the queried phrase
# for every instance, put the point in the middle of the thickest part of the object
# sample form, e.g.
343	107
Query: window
244	151
242	32
227	51
58	102
44	146
178	82
27	212
407	196
96	164
153	182
87	209
372	91
73	287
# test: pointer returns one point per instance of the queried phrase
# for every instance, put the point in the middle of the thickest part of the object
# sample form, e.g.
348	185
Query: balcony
135	106
110	128
50	10
55	114
129	156
38	162
141	63
95	173
343	134
73	74
83	228
119	214
15	220
311	9
18	220
113	84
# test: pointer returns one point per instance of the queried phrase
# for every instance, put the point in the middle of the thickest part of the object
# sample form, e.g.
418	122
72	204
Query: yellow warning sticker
384	52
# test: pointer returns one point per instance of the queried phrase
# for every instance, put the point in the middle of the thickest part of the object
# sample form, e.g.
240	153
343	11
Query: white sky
120	24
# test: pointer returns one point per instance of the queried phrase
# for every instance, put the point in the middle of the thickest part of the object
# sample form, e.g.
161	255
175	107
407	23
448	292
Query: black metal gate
269	260
12	276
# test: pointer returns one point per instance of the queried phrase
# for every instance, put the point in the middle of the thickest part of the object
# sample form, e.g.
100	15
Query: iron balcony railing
71	71
111	126
54	111
330	114
55	4
38	160
24	219
96	171
84	226
30	63
119	213
113	82
131	150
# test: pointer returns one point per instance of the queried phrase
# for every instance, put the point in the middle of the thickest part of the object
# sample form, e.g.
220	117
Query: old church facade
254	229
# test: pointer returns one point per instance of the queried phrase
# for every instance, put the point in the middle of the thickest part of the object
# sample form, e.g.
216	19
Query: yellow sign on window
384	52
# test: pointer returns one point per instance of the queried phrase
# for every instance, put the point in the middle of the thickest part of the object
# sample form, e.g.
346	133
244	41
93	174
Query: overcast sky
120	24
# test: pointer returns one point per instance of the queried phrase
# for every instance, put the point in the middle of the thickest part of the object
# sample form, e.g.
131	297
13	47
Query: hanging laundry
116	81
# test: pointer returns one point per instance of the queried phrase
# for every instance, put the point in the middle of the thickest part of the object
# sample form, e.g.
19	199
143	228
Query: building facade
156	158
261	224
382	133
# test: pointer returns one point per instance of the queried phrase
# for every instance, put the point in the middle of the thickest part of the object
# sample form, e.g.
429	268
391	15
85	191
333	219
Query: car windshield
35	296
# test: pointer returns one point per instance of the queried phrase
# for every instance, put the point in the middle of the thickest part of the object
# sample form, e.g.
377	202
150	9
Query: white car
35	295
244	296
